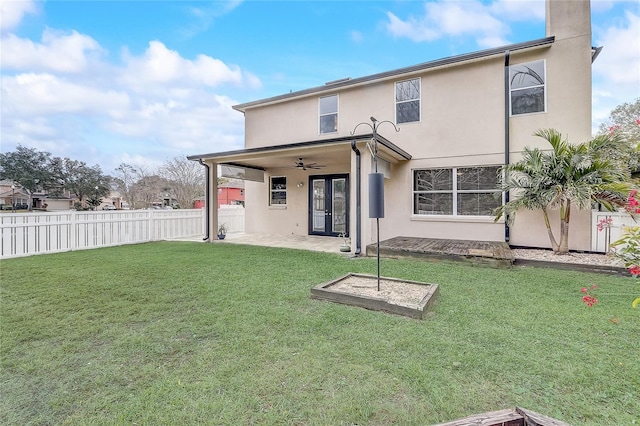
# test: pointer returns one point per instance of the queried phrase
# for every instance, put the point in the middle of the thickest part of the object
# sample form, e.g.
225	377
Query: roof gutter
228	156
507	147
358	199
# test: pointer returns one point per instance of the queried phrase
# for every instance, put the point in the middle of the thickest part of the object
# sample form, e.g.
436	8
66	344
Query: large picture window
278	191
460	191
408	101
527	85
329	114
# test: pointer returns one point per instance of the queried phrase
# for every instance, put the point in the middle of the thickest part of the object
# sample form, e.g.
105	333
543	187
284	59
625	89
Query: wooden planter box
509	417
336	291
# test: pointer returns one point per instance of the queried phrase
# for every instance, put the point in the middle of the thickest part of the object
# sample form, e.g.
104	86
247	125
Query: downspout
506	133
206	201
358	199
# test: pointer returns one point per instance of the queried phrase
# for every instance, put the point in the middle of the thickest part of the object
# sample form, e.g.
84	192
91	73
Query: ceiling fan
305	166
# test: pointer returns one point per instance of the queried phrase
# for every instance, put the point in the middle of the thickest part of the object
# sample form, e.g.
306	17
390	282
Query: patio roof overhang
324	151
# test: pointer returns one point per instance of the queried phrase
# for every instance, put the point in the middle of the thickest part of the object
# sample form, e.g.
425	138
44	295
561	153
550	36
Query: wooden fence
25	234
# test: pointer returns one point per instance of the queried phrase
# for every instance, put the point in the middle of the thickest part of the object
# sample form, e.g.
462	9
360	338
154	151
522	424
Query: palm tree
564	176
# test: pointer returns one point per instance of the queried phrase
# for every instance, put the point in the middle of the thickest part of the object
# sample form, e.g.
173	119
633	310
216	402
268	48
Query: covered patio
313	188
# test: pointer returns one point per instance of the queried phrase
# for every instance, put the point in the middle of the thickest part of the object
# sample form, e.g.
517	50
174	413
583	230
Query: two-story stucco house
459	119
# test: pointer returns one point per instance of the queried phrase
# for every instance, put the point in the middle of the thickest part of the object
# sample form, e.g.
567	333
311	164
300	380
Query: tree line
177	179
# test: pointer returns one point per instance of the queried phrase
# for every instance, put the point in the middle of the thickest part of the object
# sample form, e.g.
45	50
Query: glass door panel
329	205
339	205
318	206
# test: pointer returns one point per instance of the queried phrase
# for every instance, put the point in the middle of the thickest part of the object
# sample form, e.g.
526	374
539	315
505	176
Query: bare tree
186	179
123	182
149	187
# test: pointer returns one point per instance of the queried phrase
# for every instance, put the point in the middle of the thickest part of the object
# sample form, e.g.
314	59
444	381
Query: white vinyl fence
25	234
600	240
232	217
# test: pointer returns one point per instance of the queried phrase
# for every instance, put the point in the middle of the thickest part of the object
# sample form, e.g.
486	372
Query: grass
183	333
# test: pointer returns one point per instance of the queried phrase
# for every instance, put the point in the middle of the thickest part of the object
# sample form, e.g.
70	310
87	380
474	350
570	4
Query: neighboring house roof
452	60
17	191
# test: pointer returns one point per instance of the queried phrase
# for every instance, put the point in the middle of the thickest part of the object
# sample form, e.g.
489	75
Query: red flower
604	223
635	270
588	298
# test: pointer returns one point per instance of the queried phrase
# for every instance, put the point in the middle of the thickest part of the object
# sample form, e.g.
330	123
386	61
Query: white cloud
487	22
161	65
45	94
619	61
616	71
519	10
151	106
12	12
58	52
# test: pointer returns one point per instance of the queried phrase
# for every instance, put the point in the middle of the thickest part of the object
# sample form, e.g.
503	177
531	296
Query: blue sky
140	82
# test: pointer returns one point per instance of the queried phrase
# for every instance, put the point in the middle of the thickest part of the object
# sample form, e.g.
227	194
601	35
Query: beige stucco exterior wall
292	218
462	124
568	70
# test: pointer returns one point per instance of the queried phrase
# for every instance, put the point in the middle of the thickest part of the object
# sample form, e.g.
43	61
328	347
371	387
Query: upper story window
408	101
460	191
278	191
329	114
528	89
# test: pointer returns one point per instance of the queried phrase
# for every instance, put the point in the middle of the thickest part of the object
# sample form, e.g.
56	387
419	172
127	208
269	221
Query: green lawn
182	333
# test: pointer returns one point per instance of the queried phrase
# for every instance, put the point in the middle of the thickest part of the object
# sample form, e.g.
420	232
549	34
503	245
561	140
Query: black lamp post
376	182
13	198
95	207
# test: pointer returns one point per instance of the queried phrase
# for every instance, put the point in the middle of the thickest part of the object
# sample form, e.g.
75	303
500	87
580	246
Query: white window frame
543	85
272	190
336	113
454	191
419	99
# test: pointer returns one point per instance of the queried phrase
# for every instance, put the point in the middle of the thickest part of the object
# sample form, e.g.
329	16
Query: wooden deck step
492	253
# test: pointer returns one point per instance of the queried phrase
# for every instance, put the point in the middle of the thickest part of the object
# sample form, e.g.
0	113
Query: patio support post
207	207
213	196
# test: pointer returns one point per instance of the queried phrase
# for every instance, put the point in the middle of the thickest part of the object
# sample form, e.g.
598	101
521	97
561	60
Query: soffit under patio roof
322	152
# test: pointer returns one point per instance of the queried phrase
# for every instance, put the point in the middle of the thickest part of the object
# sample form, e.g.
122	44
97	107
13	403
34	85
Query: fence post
151	225
72	229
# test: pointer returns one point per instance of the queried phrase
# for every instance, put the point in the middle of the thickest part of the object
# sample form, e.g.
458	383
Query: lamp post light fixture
13	198
376	181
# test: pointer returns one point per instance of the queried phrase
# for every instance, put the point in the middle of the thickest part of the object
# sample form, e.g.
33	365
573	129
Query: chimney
568	18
